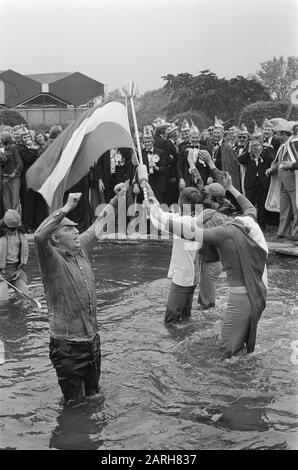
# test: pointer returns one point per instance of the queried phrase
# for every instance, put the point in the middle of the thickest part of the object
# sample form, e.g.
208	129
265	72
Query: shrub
11	118
266	109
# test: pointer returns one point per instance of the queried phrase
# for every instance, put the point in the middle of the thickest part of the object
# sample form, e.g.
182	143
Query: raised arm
216	174
246	206
95	231
194	171
49	226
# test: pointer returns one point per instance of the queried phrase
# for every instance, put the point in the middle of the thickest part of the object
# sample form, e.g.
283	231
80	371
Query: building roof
48	77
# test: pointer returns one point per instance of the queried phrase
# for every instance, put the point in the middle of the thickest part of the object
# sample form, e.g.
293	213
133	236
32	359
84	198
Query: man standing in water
71	299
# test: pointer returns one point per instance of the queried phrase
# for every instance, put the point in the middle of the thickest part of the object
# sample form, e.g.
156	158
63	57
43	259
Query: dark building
16	88
56	90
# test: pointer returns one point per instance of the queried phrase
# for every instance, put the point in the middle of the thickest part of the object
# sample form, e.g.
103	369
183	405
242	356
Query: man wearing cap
198	153
286	160
13	253
160	125
71	298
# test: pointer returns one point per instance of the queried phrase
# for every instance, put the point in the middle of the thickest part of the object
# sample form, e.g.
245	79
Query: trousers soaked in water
77	366
236	323
179	303
210	273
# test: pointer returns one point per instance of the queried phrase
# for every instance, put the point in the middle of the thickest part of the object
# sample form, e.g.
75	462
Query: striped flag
77	148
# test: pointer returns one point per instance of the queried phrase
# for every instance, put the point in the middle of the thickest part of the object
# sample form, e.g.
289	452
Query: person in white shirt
184	266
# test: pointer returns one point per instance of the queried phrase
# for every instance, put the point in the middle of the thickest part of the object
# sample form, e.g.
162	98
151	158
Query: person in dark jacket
11	173
155	160
257	159
113	167
198	151
165	139
34	208
185	135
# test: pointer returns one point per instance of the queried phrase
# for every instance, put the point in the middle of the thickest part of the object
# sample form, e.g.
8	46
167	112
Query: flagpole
23	294
129	89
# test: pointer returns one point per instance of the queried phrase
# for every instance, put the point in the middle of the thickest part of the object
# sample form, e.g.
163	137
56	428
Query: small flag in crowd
68	159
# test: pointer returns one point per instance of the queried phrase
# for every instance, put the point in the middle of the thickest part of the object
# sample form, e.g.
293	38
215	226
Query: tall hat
274	121
282	125
267	123
172	127
234	128
24	129
147	132
194	130
12	218
185	126
243	129
159	123
257	133
218	123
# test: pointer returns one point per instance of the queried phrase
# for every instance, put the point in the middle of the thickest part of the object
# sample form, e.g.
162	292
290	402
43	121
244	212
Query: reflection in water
161	388
79	428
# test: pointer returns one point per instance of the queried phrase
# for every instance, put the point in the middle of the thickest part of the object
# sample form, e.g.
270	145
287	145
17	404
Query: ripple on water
161	388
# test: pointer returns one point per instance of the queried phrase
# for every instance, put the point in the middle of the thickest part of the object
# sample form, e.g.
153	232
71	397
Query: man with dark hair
54	132
184	266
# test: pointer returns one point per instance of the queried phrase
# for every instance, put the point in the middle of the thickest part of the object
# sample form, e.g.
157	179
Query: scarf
253	261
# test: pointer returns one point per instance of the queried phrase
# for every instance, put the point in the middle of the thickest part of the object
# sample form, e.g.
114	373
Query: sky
113	41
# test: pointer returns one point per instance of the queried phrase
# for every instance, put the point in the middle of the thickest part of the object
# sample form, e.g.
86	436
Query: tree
150	106
210	95
277	75
11	118
265	109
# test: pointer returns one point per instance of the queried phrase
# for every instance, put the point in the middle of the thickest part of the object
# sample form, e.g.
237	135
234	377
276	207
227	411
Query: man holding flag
63	253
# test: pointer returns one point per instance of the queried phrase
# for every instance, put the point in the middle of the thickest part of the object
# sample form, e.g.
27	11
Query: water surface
161	388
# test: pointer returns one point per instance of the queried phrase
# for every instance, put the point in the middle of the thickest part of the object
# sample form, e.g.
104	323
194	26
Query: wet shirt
13	248
69	284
